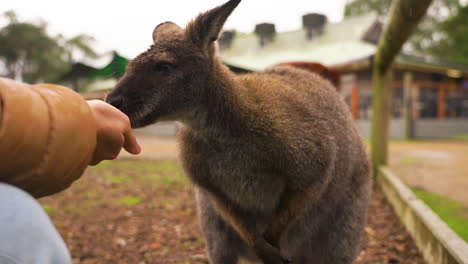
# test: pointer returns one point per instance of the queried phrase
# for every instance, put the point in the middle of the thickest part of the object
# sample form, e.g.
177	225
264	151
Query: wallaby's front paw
268	236
269	254
275	259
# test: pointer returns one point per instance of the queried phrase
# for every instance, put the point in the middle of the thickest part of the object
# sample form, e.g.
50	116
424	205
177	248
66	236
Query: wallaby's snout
135	99
115	101
119	99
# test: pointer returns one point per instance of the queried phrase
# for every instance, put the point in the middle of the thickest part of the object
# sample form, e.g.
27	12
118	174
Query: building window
457	104
427	103
397	102
365	104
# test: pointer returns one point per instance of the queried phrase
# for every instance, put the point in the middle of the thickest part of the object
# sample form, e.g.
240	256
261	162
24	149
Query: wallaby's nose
116	101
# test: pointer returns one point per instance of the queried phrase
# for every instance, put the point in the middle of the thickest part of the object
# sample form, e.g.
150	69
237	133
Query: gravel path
440	167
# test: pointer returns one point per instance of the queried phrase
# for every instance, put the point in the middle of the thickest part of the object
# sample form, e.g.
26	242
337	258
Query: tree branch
404	17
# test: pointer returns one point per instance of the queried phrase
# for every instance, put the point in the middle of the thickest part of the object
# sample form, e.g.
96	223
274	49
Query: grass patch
167	166
47	208
157	172
461	137
408	161
136	166
130	200
103	166
167	204
84	205
451	212
115	178
368	141
171	180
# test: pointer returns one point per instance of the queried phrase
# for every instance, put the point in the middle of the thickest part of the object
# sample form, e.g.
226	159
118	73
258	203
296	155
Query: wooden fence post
404	17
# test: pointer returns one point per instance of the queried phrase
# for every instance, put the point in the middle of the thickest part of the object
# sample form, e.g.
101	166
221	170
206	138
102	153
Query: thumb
130	143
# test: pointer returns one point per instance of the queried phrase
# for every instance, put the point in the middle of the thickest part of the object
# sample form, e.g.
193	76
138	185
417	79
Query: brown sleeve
47	136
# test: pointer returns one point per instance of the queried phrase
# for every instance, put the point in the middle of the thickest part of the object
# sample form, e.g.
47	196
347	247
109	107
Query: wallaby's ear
164	30
204	30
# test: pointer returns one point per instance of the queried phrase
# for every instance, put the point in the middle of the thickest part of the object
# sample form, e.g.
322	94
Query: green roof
340	42
115	68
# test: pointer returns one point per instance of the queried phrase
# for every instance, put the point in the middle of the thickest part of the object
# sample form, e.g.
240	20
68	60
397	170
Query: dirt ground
155	147
143	211
440	166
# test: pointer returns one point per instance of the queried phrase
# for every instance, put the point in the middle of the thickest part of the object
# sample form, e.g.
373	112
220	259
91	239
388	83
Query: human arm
48	136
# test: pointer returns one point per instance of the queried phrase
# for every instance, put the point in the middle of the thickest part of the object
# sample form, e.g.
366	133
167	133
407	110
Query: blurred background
144	205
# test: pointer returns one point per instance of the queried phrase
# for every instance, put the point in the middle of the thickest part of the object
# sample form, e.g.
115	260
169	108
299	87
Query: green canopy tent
114	69
85	76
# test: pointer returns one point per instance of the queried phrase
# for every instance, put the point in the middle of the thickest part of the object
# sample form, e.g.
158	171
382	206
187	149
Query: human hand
113	132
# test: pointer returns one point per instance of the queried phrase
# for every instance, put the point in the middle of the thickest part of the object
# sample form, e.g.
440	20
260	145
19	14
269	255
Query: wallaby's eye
164	67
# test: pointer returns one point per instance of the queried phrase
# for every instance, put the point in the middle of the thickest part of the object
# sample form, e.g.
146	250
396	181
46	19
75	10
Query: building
437	93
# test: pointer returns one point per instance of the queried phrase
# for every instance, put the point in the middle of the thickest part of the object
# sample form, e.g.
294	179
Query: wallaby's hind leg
336	241
224	245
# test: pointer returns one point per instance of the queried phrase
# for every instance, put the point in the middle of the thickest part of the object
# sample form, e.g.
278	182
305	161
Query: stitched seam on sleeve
1	112
47	151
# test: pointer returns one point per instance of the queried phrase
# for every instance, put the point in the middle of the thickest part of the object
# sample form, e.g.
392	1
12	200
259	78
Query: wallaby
280	172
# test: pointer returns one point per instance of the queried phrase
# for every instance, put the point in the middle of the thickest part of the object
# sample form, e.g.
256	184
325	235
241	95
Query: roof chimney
313	24
226	39
373	33
266	32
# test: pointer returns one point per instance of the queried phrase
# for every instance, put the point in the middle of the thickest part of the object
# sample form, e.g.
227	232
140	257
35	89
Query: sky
126	25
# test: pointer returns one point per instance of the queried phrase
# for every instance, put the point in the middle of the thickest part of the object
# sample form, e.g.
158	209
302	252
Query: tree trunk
381	103
404	17
18	66
407	105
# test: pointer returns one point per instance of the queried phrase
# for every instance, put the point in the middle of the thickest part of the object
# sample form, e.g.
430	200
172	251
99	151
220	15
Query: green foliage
80	44
428	33
359	7
31	54
453	43
451	212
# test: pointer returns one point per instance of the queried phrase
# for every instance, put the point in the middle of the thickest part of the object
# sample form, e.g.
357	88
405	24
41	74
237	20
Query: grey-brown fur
279	169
